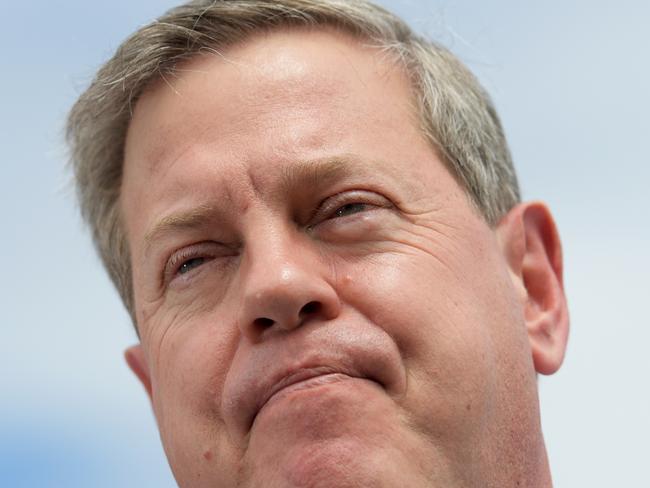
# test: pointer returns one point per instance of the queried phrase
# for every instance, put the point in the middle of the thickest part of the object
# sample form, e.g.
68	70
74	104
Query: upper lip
292	377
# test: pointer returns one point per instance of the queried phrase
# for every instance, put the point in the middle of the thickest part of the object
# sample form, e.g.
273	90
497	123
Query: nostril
263	322
310	308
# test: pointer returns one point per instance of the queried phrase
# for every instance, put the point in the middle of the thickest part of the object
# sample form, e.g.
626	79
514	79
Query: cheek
425	303
194	359
190	362
447	322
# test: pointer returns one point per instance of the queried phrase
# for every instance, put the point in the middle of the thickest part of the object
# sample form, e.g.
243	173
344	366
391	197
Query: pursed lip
270	370
300	379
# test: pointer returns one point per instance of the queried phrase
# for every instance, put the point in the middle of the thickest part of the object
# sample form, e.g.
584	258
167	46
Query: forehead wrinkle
306	173
311	173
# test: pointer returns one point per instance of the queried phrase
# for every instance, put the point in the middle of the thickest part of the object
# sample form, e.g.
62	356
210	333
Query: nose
285	286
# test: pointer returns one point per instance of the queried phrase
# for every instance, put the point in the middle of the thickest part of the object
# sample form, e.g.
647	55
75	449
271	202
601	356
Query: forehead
280	97
281	76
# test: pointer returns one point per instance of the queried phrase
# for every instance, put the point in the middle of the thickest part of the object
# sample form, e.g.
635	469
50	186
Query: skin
288	221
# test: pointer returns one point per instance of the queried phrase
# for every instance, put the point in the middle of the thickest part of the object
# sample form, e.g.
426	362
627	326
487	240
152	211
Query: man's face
319	304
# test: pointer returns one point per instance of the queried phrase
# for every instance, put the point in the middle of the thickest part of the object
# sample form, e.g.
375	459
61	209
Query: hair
456	114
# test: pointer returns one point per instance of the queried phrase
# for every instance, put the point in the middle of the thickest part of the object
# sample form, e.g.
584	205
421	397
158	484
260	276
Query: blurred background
571	81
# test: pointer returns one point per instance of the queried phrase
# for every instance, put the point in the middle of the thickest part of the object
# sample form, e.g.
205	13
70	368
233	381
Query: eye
347	204
189	265
351	208
184	262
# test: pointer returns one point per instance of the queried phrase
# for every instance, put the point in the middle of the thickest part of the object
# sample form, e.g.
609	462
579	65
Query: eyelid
178	258
207	250
328	206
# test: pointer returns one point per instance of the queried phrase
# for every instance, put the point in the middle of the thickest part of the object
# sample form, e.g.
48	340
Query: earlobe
532	248
136	360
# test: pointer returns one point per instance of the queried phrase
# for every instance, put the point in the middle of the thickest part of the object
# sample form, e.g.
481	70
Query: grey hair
457	115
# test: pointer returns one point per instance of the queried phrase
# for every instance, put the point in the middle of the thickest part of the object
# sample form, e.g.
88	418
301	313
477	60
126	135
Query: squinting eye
195	256
350	208
190	264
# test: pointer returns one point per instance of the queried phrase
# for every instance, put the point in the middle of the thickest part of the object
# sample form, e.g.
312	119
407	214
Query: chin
335	463
323	438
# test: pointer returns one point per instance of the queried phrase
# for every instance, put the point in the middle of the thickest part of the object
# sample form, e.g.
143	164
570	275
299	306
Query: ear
533	251
136	360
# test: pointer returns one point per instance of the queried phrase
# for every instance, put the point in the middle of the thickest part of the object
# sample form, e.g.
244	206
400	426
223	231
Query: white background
571	81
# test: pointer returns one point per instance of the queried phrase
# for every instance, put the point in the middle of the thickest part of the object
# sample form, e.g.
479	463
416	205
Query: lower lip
311	384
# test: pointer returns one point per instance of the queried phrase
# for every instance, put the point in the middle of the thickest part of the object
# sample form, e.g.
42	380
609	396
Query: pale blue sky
570	80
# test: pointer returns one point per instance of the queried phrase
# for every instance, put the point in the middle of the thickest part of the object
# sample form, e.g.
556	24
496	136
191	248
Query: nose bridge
274	260
284	282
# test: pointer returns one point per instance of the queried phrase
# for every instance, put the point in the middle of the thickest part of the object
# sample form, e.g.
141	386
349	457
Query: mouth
312	371
303	379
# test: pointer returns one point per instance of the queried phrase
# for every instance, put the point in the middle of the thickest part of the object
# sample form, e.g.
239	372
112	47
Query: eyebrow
312	173
184	220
